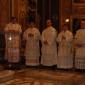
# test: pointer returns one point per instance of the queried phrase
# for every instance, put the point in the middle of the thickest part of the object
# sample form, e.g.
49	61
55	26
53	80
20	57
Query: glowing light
67	20
10	38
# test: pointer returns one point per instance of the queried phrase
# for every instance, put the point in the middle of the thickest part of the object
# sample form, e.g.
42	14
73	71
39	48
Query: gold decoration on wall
22	10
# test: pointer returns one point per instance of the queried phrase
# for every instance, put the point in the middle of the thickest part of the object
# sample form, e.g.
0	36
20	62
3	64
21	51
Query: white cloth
49	51
80	50
32	51
12	37
65	58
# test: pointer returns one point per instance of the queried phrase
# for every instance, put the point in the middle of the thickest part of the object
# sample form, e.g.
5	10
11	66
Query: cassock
65	54
80	49
32	50
12	37
49	47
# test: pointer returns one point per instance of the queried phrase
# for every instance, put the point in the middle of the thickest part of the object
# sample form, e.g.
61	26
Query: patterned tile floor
45	77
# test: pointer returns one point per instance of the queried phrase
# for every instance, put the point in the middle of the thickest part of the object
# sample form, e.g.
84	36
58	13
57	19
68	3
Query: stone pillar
15	7
65	12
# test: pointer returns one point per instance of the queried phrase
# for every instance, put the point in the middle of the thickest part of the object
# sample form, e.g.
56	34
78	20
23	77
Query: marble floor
31	76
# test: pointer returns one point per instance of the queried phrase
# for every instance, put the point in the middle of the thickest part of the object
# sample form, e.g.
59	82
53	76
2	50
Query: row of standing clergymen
64	58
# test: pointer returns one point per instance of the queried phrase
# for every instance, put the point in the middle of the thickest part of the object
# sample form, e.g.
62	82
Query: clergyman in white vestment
80	47
32	50
65	53
49	46
12	37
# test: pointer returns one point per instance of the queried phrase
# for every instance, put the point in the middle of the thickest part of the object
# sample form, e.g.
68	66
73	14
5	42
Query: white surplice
80	50
12	37
32	51
65	54
49	50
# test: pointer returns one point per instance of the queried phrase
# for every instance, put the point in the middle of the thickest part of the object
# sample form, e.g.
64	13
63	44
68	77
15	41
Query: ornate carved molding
78	9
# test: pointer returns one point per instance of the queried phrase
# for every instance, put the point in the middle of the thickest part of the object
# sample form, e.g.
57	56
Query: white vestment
49	50
32	51
65	58
80	50
12	37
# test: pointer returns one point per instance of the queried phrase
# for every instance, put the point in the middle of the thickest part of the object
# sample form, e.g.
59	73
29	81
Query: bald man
80	47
